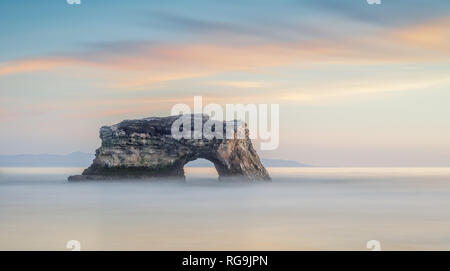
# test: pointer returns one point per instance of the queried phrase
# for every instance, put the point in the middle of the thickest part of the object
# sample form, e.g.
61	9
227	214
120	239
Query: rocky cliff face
145	148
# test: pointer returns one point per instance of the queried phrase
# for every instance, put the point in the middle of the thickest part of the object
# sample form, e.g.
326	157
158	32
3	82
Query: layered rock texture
146	149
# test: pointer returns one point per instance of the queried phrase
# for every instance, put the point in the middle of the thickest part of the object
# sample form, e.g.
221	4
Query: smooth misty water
301	209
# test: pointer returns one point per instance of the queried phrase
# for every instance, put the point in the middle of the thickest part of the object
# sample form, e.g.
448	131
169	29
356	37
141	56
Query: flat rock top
158	125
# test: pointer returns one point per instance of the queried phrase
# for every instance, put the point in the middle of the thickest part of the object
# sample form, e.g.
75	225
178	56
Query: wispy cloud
140	64
431	35
31	65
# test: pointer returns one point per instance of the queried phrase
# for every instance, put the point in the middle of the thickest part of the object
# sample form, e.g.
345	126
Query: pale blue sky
357	84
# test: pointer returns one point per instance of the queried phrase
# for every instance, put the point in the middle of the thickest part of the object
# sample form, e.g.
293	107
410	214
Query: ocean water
301	209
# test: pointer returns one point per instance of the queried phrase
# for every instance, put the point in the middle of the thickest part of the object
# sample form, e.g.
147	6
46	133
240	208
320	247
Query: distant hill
81	159
74	159
282	163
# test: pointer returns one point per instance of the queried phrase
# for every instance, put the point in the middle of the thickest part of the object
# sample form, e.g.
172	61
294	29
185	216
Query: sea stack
147	149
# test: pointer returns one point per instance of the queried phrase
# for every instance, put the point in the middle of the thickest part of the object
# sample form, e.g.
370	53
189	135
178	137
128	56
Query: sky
357	84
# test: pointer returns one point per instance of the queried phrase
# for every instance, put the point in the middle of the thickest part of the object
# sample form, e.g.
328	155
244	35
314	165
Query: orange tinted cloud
32	65
141	79
174	62
432	35
188	58
165	62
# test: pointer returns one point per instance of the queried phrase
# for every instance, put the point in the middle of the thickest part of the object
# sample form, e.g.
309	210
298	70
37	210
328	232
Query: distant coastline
81	159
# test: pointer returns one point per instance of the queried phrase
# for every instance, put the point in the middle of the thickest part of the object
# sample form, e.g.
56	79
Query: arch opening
200	168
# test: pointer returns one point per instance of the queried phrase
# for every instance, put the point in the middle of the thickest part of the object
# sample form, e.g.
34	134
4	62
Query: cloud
390	14
138	65
344	88
6	115
232	32
30	65
171	62
433	35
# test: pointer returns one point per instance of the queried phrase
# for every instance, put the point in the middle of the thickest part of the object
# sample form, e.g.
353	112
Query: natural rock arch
145	148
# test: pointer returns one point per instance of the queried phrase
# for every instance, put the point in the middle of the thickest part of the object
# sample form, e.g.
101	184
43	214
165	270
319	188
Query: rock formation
146	148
